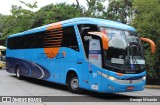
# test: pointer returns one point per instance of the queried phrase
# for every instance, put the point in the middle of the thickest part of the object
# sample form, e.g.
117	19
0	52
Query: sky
5	5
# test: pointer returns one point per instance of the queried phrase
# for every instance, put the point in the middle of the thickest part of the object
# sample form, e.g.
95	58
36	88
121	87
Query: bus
83	53
2	56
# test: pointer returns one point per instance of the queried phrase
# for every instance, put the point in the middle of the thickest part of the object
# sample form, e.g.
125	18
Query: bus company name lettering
51	55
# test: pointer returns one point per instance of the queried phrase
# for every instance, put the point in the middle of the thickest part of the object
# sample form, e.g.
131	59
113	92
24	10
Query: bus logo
86	38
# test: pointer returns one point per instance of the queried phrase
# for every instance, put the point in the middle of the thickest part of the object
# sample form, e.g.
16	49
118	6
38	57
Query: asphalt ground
59	94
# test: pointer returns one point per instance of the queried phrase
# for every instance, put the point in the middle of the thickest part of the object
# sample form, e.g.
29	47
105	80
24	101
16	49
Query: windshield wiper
134	60
126	62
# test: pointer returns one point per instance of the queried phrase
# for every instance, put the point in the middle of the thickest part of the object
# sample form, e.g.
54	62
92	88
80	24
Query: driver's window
83	30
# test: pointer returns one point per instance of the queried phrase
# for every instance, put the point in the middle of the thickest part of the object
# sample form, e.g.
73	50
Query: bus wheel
73	84
18	73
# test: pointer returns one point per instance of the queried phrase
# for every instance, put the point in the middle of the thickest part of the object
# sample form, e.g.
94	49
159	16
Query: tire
0	67
73	84
18	73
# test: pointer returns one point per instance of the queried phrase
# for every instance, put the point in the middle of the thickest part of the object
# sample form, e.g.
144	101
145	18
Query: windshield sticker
95	52
117	61
93	56
132	66
137	61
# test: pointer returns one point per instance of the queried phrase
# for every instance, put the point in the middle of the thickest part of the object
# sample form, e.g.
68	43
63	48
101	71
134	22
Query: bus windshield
125	54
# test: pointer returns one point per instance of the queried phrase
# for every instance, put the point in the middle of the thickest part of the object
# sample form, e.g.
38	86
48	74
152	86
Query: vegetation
147	22
142	14
120	10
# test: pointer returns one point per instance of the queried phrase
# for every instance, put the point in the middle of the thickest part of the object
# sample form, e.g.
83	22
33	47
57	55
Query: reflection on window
44	40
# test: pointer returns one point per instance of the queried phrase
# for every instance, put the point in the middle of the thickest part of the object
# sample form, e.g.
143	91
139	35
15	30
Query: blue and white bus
82	53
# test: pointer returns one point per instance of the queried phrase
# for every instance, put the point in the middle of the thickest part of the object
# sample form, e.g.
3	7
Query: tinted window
34	40
69	38
65	37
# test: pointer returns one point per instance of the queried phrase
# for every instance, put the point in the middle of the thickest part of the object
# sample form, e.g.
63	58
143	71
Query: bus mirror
153	46
104	38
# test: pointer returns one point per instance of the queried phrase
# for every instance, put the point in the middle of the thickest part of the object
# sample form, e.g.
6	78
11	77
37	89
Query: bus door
55	70
95	62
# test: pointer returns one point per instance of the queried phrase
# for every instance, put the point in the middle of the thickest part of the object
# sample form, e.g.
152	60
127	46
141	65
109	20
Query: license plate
130	88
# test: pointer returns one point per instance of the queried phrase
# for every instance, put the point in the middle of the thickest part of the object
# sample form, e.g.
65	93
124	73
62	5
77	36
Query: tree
95	8
53	13
120	10
32	6
19	20
147	23
2	17
22	19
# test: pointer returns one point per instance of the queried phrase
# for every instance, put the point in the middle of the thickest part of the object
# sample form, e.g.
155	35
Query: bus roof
82	20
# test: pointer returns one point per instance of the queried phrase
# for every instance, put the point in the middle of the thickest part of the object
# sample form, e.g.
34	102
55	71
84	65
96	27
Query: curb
152	86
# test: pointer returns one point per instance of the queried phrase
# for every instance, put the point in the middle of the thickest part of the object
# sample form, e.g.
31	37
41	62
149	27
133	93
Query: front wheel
73	84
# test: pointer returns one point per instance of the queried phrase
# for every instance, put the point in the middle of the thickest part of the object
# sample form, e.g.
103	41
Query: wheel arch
16	66
70	72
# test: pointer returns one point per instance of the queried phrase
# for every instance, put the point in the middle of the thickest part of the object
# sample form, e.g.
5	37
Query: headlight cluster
144	78
107	76
115	79
112	78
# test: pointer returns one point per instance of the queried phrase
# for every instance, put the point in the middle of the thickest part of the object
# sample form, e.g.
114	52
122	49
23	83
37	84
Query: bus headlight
144	78
107	76
112	78
104	75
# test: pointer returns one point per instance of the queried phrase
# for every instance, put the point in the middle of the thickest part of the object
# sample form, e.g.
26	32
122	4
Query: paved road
11	86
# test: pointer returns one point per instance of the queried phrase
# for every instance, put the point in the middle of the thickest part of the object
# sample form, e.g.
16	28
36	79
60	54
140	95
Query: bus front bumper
122	86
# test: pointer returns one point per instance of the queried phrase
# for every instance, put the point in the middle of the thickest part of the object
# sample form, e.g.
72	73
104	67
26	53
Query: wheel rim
18	73
74	83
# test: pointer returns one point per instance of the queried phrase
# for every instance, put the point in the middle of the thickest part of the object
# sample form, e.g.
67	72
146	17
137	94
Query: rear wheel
18	73
73	84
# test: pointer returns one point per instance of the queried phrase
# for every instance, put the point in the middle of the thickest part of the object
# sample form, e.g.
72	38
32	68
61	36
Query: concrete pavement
11	86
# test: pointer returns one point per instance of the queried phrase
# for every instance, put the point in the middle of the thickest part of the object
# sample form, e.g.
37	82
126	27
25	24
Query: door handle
79	62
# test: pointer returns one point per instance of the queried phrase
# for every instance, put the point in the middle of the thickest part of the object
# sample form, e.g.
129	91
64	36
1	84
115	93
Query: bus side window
69	38
21	42
13	43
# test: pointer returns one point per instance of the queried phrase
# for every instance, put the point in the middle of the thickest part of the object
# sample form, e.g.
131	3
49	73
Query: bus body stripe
28	68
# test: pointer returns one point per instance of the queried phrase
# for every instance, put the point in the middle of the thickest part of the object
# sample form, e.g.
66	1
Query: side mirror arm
153	46
105	40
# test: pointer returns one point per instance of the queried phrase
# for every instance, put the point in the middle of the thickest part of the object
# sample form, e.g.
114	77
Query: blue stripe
94	51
